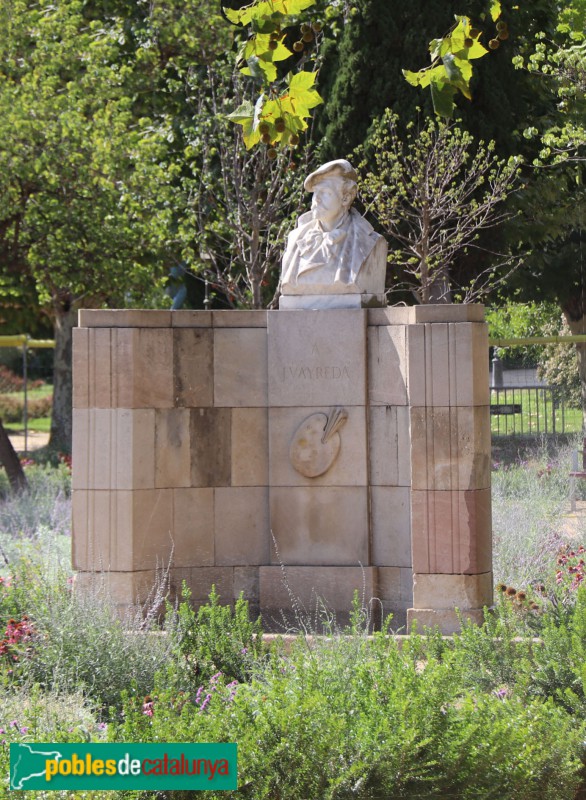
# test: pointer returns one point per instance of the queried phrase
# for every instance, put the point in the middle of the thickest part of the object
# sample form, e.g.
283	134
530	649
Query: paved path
35	440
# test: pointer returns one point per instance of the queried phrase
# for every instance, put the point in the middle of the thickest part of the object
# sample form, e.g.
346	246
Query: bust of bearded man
333	250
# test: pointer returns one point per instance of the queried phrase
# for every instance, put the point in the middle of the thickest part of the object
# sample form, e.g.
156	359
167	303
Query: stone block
193	362
242	533
452	591
246	580
317	358
201	580
390	525
320	526
395	584
193	527
389	446
172	447
188	318
122	530
80	448
124	318
249	447
123	367
349	467
319	302
134	448
142	367
113	448
100	368
240	367
471	364
437	365
448	621
447	364
450	448
123	589
210	436
81	367
391	315
387	365
448	312
416	365
153	368
100	449
152	528
86	553
240	318
451	531
311	586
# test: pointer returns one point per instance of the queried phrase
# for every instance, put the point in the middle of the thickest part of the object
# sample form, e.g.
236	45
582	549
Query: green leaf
301	96
434	48
262	71
264	9
459	72
424	77
442	95
244	111
495	10
291	7
232	15
421	78
477	50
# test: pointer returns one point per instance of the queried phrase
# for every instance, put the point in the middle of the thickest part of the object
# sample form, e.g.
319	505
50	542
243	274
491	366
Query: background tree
554	204
239	203
433	192
362	72
82	178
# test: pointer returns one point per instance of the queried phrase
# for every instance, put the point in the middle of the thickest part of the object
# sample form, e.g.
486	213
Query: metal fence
522	403
531	410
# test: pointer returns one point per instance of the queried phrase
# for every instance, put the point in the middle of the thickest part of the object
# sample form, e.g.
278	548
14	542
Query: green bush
40	515
353	718
12	407
558	367
80	642
528	503
214	638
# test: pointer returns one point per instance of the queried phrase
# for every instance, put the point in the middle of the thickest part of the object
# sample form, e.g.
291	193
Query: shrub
353	718
41	513
31	715
212	639
12	407
558	367
81	643
528	502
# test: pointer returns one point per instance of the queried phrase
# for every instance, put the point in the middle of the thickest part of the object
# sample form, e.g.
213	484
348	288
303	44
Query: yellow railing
20	339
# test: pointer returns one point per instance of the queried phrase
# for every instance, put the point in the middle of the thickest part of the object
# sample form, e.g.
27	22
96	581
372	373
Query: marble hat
340	168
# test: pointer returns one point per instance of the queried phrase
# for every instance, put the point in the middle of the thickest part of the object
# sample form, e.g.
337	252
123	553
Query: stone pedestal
288	455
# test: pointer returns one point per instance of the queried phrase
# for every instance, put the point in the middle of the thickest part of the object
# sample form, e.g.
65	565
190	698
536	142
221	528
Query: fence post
497	372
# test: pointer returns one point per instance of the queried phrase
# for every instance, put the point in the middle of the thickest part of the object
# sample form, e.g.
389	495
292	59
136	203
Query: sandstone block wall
185	424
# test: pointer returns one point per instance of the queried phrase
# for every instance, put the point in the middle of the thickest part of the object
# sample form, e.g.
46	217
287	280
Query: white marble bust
333	250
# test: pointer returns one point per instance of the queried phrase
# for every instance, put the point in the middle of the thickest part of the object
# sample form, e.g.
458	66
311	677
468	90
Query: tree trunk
10	461
61	420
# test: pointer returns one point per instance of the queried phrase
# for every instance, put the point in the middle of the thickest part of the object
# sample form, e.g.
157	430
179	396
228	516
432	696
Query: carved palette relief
316	443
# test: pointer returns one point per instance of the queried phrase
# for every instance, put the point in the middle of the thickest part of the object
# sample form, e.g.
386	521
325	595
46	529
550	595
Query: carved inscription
329	373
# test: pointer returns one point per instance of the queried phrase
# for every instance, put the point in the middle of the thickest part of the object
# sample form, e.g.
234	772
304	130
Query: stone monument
345	445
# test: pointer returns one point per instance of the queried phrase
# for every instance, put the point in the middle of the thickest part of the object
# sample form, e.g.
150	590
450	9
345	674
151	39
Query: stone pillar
450	465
